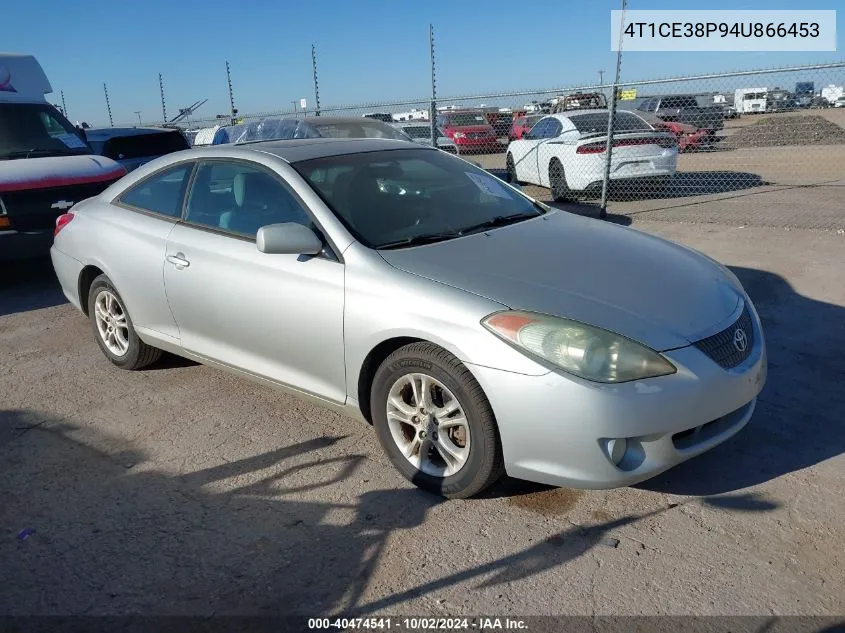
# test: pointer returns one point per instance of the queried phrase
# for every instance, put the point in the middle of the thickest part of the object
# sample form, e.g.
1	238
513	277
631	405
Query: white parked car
839	103
566	152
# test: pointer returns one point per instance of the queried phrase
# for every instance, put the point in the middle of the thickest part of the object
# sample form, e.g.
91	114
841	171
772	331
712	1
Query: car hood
643	287
57	171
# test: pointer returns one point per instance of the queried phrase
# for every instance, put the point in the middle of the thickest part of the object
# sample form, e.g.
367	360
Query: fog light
616	449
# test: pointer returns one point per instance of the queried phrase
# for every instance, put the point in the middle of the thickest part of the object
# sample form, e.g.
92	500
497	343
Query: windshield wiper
499	220
428	238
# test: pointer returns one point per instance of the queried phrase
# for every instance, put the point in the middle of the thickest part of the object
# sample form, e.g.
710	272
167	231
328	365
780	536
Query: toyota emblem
740	340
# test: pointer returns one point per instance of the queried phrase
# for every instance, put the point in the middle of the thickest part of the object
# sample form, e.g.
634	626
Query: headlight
583	350
459	135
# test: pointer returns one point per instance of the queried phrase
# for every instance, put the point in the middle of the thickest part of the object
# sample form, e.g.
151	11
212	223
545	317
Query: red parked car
522	124
469	131
689	137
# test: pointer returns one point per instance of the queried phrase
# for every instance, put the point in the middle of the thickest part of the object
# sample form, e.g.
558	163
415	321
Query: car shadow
101	528
29	285
687	184
798	421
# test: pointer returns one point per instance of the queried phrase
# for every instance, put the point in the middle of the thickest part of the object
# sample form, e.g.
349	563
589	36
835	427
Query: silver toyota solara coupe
478	330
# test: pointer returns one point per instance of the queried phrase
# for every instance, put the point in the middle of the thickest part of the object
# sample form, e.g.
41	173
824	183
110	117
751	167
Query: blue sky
366	51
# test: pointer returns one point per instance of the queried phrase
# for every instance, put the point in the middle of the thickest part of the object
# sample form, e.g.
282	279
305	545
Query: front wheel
435	423
113	329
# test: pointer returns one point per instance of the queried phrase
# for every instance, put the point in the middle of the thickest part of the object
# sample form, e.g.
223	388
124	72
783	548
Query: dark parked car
780	101
686	109
134	146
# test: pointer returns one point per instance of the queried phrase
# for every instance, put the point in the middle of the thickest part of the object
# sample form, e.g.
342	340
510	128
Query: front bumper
68	270
554	427
25	245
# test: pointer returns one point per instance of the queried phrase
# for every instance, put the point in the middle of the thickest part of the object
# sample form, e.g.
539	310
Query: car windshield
463	119
366	128
395	198
595	123
35	130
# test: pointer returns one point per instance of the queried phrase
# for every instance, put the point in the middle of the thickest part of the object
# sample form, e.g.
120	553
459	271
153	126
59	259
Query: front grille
30	209
726	347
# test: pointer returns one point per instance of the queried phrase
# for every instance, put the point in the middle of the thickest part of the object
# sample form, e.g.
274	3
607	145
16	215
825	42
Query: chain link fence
764	147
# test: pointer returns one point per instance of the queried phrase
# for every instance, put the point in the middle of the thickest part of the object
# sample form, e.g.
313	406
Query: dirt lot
183	490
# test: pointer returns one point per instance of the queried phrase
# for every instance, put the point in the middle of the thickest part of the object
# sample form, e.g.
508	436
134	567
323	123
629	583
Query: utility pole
161	90
612	117
108	104
64	106
232	110
316	85
601	77
295	113
138	112
433	110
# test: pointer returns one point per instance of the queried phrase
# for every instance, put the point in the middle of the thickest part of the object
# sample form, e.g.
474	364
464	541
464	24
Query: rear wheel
113	329
557	182
435	423
511	168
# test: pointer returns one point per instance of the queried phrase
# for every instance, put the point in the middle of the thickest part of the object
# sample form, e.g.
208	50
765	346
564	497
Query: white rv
750	100
833	93
47	164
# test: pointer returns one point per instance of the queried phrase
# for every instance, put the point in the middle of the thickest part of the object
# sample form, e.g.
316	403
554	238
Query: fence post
161	90
433	109
611	119
232	111
108	105
316	85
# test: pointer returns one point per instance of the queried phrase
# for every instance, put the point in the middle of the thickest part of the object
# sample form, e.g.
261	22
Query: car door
524	151
548	149
275	316
135	250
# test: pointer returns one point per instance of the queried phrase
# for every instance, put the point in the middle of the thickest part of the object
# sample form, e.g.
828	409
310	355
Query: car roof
297	150
100	133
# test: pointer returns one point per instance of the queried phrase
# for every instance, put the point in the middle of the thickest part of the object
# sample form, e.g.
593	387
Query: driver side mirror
288	238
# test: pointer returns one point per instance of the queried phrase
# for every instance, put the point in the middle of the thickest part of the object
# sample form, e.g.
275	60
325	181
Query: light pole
295	113
138	112
601	77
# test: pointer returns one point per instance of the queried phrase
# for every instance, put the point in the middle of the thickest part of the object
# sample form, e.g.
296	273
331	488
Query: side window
160	193
240	198
554	129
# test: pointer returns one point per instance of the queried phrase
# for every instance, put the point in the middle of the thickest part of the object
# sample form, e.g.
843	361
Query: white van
46	165
750	100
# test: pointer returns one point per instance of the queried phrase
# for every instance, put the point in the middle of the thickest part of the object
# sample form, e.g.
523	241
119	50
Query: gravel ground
778	131
184	490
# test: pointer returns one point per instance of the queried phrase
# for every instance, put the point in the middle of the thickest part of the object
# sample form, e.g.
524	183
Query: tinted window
546	128
240	198
418	131
389	197
597	122
160	193
143	145
679	102
366	128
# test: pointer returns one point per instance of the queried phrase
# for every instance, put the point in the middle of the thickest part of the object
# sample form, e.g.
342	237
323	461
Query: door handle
178	260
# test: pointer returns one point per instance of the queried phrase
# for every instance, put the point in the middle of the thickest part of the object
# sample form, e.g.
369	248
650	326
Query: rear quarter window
144	145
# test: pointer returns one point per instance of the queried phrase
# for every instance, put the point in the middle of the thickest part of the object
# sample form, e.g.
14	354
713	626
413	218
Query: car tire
113	328
557	182
511	169
446	377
